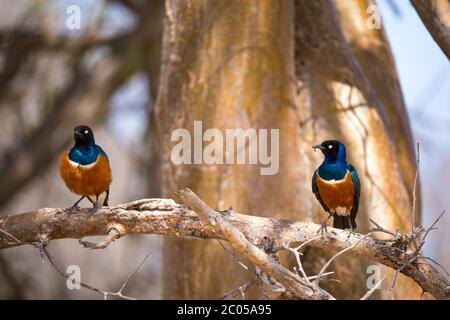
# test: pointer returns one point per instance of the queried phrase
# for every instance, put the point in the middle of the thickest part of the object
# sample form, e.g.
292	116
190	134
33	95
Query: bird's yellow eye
86	132
330	146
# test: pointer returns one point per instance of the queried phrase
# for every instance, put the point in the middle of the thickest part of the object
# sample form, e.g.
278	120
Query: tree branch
435	15
297	286
243	232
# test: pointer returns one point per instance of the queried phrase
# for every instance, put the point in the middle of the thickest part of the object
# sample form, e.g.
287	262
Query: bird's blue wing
315	190
357	186
101	152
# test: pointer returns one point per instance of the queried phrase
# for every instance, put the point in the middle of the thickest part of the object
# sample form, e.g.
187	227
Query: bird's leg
90	200
96	204
350	223
105	202
324	225
75	206
350	227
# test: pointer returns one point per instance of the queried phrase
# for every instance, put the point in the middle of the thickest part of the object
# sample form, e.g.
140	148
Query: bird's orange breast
86	180
338	196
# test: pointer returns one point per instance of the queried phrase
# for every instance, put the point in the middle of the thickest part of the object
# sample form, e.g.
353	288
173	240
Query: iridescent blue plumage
334	168
357	186
86	155
85	151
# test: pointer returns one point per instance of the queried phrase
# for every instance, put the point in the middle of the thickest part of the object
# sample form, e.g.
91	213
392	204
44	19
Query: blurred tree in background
313	69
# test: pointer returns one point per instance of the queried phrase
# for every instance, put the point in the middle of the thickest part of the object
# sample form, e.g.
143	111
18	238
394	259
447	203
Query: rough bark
228	64
165	217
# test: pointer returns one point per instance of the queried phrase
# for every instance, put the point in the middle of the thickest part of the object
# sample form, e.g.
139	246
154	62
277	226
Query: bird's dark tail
341	222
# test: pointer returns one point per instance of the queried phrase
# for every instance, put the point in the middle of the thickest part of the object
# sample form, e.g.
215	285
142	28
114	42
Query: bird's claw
73	209
323	228
95	207
350	232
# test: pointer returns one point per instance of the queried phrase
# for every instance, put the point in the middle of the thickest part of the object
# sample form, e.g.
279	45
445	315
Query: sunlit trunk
279	65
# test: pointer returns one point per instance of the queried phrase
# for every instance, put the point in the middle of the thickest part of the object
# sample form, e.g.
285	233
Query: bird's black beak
318	146
78	134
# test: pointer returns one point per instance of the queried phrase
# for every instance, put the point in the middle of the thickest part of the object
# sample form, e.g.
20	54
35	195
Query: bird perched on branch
85	169
336	185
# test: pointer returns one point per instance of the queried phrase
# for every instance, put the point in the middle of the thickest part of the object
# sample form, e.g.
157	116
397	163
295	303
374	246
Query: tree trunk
279	65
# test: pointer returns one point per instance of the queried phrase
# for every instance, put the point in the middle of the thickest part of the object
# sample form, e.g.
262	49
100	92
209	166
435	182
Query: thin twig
437	263
44	252
337	255
131	275
299	263
17	241
242	289
308	241
432	226
414	197
381	229
371	291
323	275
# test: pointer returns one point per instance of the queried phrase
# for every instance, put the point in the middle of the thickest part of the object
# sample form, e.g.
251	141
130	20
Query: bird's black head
332	149
83	136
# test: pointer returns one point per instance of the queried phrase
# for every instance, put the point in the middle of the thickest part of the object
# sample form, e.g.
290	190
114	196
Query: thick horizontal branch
165	217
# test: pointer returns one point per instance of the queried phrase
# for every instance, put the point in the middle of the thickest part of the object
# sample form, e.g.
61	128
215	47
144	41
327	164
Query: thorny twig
413	241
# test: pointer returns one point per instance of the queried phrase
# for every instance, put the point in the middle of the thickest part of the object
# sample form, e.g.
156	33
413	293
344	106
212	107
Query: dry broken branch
165	217
297	286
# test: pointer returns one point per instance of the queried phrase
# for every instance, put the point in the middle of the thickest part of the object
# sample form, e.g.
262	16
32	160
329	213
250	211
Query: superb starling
85	168
336	185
